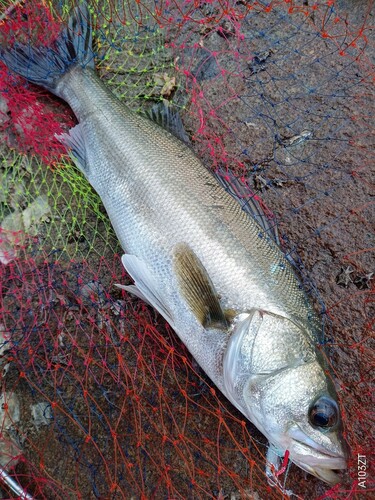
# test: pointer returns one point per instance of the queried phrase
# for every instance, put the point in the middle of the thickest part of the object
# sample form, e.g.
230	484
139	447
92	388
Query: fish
211	268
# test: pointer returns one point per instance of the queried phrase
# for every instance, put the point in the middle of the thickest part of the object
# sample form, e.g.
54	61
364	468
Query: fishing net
99	397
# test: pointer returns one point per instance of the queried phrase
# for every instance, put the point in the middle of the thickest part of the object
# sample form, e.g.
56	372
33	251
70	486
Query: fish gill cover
99	397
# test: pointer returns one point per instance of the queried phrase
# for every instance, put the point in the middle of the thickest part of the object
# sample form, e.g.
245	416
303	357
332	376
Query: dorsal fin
249	202
169	119
197	288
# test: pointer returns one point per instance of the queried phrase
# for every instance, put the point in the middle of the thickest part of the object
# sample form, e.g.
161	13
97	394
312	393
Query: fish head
275	375
299	412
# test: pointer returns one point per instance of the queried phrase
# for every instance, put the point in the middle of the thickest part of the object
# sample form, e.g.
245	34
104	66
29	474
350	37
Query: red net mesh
99	397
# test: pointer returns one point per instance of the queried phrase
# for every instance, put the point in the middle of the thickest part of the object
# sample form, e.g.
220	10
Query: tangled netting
99	398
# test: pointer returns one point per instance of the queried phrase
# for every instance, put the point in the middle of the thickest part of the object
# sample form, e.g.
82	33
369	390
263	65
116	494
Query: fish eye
324	413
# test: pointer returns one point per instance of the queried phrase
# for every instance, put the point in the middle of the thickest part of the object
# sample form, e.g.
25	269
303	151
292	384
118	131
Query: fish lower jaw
327	466
328	475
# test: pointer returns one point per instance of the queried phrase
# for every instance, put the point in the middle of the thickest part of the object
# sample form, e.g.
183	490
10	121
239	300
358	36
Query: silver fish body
222	283
158	195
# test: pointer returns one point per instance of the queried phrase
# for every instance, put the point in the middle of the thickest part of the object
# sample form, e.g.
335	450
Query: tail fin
45	66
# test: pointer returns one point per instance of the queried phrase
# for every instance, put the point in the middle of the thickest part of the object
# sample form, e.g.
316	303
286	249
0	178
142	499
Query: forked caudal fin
45	66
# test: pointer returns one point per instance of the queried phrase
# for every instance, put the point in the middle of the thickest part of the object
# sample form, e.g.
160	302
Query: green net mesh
99	397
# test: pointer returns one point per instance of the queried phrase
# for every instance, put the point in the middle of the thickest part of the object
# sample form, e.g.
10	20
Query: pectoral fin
145	287
197	288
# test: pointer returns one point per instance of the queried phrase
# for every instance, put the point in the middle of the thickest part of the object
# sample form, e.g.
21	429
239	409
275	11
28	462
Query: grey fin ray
75	142
169	119
248	201
134	291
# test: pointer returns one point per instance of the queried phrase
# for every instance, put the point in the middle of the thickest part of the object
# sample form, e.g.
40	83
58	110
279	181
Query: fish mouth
325	464
329	469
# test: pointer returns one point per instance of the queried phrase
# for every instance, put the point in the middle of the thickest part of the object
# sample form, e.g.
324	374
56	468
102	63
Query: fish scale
161	173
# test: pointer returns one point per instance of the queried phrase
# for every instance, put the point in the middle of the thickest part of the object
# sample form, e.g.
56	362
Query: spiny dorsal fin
197	288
